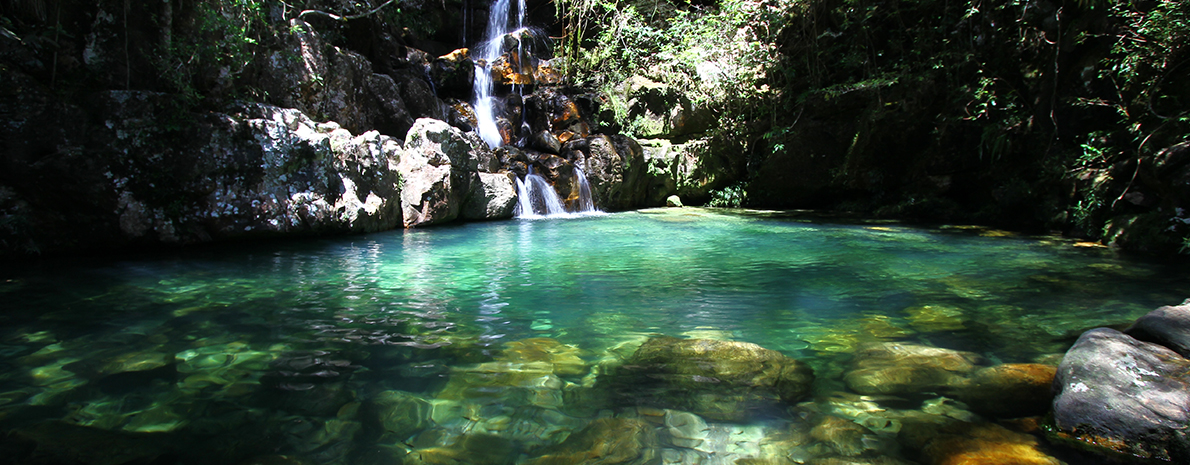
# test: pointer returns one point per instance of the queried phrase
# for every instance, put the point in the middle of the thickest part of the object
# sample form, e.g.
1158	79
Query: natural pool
486	342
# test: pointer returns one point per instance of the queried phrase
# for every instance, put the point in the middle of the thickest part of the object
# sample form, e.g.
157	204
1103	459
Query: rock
564	358
335	84
605	441
846	438
984	444
437	170
472	449
659	111
1168	326
691	169
453	74
1010	390
401	413
493	196
546	141
1118	394
615	168
720	380
673	201
898	368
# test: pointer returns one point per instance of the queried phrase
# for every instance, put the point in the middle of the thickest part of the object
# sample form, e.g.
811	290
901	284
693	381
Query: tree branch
344	18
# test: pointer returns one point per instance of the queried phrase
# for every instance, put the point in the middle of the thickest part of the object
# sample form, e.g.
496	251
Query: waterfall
536	198
585	204
490	50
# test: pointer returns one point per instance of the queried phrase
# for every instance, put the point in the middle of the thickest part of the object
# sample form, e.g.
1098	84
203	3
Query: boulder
1009	390
899	368
720	380
437	171
606	441
615	167
492	196
1168	326
1117	394
656	110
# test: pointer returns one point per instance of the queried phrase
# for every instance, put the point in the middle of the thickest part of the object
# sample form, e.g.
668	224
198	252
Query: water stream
330	350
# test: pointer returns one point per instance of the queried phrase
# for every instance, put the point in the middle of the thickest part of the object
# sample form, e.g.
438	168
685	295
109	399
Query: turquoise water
280	351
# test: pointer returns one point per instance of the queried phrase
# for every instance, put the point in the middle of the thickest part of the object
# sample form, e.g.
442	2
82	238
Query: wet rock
985	444
845	437
615	167
898	368
477	449
492	196
564	358
1010	390
1118	394
1168	326
61	442
437	170
453	74
401	413
935	318
720	380
604	441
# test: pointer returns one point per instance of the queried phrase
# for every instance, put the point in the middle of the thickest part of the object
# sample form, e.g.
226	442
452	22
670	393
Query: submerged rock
1115	393
900	368
607	441
1009	390
722	380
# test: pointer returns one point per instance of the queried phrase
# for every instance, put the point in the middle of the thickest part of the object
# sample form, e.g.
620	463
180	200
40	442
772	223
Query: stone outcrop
445	175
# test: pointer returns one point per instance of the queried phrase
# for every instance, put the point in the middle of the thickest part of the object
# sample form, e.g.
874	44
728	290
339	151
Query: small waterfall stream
536	197
490	50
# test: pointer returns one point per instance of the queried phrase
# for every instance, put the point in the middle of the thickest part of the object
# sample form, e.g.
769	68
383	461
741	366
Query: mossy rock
721	380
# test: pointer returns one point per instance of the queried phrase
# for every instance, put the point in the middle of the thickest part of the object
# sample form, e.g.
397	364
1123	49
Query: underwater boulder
401	413
1010	390
1115	394
720	380
606	441
898	368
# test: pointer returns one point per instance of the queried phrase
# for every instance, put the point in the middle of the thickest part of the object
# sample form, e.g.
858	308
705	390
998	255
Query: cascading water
490	50
536	197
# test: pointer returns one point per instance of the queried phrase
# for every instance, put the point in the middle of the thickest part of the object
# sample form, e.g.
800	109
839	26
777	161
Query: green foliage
224	41
719	56
733	196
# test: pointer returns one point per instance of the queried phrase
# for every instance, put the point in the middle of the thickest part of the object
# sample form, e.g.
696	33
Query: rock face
721	380
1124	395
442	179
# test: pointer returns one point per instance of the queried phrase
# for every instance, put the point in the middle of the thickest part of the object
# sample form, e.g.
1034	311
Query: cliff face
150	123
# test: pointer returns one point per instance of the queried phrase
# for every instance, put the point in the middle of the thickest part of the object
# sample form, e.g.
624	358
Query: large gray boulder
1168	326
1127	396
492	196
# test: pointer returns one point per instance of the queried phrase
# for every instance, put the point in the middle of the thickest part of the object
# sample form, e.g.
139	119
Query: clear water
280	349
